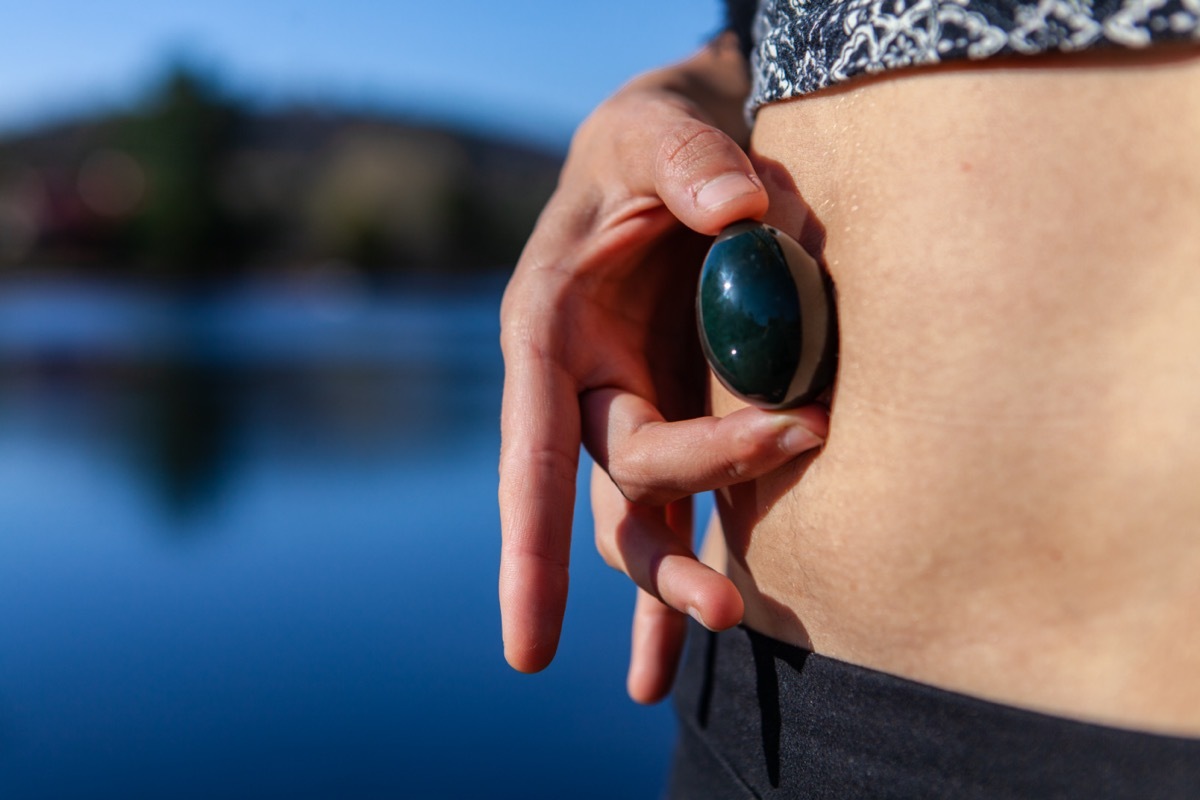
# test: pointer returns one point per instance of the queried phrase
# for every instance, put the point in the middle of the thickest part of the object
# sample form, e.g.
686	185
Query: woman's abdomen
1007	503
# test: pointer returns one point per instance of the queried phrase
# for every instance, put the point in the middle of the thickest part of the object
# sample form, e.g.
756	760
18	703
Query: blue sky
520	66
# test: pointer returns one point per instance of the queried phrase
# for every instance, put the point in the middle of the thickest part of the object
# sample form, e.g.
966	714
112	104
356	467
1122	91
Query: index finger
539	456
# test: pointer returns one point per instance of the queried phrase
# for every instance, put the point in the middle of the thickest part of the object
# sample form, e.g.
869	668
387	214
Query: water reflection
188	434
249	550
178	385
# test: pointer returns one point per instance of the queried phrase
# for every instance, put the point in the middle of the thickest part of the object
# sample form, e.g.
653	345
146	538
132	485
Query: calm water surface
248	549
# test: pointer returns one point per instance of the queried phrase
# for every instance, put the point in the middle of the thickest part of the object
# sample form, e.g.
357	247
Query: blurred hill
195	187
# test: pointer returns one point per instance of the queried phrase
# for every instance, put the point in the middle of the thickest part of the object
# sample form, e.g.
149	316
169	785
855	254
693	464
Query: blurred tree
194	187
185	231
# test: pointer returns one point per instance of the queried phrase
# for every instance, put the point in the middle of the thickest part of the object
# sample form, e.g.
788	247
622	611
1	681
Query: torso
1008	503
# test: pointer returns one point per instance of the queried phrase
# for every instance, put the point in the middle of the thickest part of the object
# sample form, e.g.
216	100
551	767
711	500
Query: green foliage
220	188
184	140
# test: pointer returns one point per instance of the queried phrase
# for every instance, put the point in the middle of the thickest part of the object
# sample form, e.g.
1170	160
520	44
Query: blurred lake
248	548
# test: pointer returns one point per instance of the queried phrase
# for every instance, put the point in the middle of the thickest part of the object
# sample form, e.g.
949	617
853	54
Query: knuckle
528	333
623	478
628	469
640	494
517	334
741	452
558	464
736	471
607	549
688	147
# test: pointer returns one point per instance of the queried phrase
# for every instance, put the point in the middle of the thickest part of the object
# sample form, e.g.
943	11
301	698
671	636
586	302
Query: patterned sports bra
800	46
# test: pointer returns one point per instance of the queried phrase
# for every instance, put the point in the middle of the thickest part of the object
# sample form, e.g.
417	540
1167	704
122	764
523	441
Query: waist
1015	432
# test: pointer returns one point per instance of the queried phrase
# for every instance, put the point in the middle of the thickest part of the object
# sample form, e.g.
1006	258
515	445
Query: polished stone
766	317
750	314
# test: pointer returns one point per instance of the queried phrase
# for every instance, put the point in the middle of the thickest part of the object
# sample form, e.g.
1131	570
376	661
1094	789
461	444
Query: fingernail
695	614
797	439
723	188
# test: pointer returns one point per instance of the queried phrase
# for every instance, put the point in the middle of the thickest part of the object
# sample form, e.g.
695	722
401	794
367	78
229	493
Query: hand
599	347
650	540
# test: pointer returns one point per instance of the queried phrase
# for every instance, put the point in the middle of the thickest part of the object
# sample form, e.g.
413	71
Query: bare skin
1007	501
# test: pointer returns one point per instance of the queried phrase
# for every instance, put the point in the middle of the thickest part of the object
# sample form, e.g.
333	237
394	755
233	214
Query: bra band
799	46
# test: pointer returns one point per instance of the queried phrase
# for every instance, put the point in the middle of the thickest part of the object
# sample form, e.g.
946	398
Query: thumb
705	178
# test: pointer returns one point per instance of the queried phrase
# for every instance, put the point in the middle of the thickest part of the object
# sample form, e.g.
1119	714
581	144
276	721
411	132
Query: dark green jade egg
767	317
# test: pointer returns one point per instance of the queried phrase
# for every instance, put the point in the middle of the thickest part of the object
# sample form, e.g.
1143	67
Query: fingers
668	152
538	462
657	642
641	165
704	177
653	547
654	462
